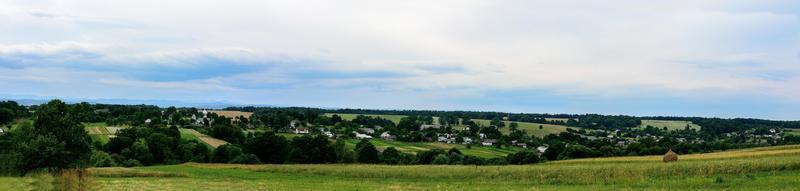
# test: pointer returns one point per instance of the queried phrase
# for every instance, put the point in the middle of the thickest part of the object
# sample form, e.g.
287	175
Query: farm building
301	130
362	136
488	142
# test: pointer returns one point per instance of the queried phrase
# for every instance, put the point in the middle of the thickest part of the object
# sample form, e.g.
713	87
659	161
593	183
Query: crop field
671	125
479	151
232	114
194	134
768	168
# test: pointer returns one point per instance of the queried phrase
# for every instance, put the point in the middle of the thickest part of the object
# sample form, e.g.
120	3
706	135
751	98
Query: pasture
393	118
671	125
768	168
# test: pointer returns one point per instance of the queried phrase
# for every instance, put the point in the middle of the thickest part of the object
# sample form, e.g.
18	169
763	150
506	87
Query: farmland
102	132
232	114
768	168
346	116
671	125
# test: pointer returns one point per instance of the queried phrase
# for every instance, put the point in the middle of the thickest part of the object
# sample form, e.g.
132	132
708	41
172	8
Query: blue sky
722	58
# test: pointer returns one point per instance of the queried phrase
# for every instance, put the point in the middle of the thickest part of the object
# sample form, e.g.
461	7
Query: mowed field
232	114
671	125
768	168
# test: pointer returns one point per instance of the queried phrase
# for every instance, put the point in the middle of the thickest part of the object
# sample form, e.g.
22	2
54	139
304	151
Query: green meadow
768	168
671	125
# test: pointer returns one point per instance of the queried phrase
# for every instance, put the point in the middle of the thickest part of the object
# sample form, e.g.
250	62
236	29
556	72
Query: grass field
768	168
192	134
531	128
671	125
346	116
792	132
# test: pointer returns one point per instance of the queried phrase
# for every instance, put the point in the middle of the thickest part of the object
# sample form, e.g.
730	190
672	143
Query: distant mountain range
36	100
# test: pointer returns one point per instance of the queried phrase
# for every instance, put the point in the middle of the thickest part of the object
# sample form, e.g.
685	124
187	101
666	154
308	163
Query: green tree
268	147
391	156
367	152
226	153
513	126
58	140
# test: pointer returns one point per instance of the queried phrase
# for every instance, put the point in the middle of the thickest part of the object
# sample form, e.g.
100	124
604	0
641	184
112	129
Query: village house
467	140
301	130
362	136
328	133
489	142
387	136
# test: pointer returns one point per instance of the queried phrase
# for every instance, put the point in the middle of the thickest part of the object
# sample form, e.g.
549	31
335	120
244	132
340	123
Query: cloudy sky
725	58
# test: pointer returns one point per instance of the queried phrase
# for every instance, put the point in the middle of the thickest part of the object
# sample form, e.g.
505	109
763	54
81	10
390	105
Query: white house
147	121
328	133
387	136
467	140
363	136
2	131
488	142
301	130
541	149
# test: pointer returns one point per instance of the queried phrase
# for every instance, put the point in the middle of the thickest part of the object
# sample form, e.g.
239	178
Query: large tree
58	140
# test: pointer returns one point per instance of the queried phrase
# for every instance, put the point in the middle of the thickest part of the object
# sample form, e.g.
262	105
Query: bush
246	159
441	159
523	157
226	153
101	159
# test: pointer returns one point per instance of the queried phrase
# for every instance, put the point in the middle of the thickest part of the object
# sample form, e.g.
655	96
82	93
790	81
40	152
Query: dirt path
207	139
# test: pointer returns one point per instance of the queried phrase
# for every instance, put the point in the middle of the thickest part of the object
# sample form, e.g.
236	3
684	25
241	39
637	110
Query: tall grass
579	172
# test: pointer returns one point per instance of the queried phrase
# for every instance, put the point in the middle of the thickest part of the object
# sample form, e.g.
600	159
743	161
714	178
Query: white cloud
609	48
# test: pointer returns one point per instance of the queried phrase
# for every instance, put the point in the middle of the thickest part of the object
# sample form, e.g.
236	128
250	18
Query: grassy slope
772	168
671	125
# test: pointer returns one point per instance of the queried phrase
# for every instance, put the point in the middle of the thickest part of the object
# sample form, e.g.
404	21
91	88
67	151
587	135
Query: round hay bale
670	156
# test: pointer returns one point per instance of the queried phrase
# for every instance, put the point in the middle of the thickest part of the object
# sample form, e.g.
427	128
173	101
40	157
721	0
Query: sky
710	58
